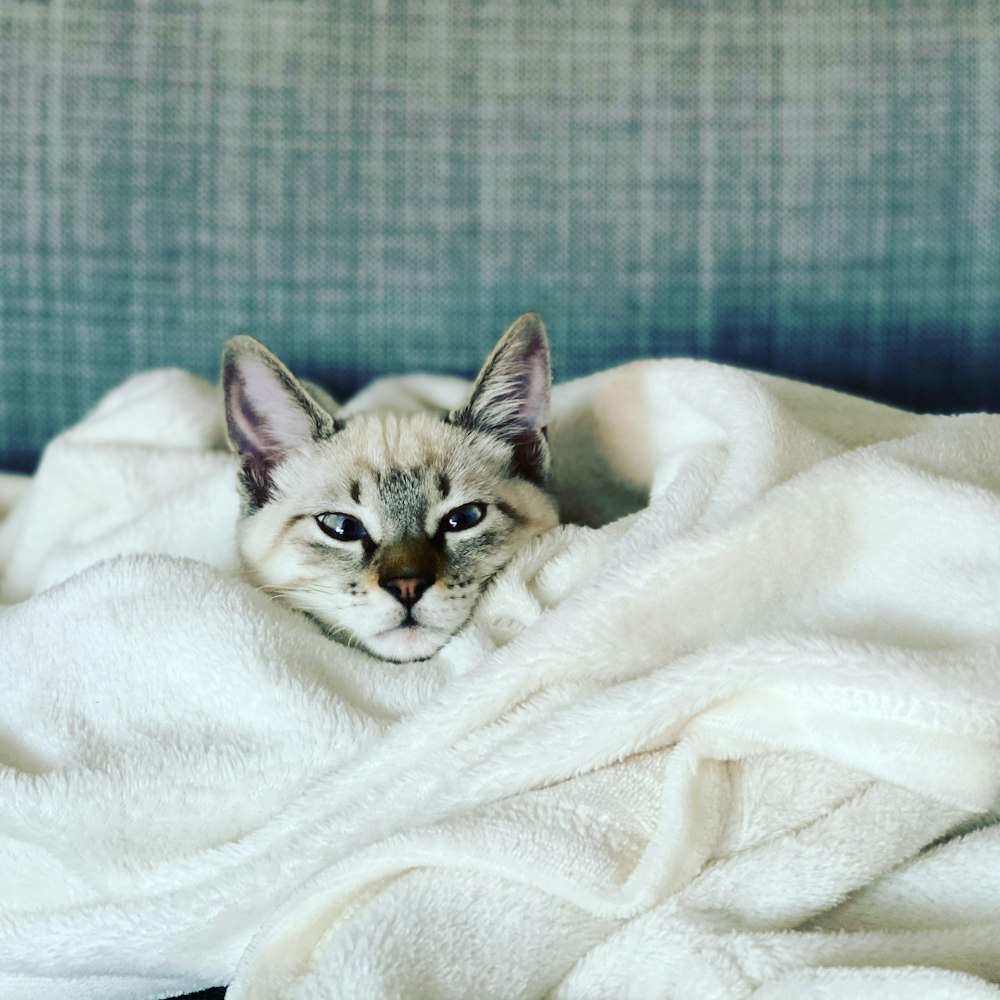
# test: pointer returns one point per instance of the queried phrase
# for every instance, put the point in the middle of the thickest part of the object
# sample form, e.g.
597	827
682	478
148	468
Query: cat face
387	528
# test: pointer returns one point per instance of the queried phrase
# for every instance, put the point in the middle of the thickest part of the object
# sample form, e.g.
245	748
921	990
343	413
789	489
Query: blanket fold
732	732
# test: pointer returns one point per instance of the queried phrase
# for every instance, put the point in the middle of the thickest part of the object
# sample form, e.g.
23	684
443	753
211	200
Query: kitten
386	528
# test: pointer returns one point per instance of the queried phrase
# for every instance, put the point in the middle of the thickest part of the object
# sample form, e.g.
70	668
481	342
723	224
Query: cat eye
343	527
464	517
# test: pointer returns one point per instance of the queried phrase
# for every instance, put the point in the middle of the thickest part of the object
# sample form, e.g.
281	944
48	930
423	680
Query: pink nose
407	589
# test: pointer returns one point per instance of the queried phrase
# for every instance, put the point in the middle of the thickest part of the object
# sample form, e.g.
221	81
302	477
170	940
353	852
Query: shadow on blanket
731	733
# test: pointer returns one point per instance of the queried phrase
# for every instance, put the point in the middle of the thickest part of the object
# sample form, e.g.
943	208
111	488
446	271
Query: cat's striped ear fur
510	399
269	413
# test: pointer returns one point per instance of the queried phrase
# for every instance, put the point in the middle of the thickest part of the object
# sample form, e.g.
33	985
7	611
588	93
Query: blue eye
463	517
343	527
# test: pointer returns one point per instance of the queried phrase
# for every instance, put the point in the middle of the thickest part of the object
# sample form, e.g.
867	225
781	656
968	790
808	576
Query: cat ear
268	412
510	399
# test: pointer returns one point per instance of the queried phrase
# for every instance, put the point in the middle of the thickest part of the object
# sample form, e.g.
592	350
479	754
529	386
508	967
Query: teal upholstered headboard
803	187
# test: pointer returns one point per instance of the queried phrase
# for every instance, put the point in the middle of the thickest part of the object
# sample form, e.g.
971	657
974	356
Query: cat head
386	528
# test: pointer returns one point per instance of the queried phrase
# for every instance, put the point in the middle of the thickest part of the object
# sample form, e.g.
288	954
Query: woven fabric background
809	188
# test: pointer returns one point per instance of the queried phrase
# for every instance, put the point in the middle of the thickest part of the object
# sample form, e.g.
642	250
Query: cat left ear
268	413
510	399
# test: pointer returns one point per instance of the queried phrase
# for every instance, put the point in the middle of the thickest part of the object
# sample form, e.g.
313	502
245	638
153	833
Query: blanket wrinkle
731	731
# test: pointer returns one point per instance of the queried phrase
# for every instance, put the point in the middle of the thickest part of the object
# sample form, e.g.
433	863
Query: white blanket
739	741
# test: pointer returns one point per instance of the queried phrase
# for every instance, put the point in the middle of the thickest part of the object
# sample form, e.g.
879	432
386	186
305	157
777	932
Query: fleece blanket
729	732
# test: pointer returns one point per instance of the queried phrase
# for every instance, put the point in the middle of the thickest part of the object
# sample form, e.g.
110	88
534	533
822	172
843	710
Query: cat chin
405	645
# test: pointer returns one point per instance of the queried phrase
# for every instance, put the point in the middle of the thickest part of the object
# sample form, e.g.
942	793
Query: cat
385	529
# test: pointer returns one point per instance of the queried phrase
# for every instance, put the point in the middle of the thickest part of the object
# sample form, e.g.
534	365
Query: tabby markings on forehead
396	478
402	491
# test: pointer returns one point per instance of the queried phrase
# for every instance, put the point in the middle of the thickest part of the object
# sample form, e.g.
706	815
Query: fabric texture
804	188
738	741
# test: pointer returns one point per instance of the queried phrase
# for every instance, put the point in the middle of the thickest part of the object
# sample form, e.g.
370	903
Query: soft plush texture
739	741
807	188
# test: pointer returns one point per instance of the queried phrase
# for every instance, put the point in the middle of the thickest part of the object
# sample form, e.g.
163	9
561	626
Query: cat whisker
282	590
332	591
305	587
340	633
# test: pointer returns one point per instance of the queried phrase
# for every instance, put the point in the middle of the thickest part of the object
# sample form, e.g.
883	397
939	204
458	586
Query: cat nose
406	589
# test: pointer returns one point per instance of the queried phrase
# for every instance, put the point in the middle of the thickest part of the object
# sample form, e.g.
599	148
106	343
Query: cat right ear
510	399
268	413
